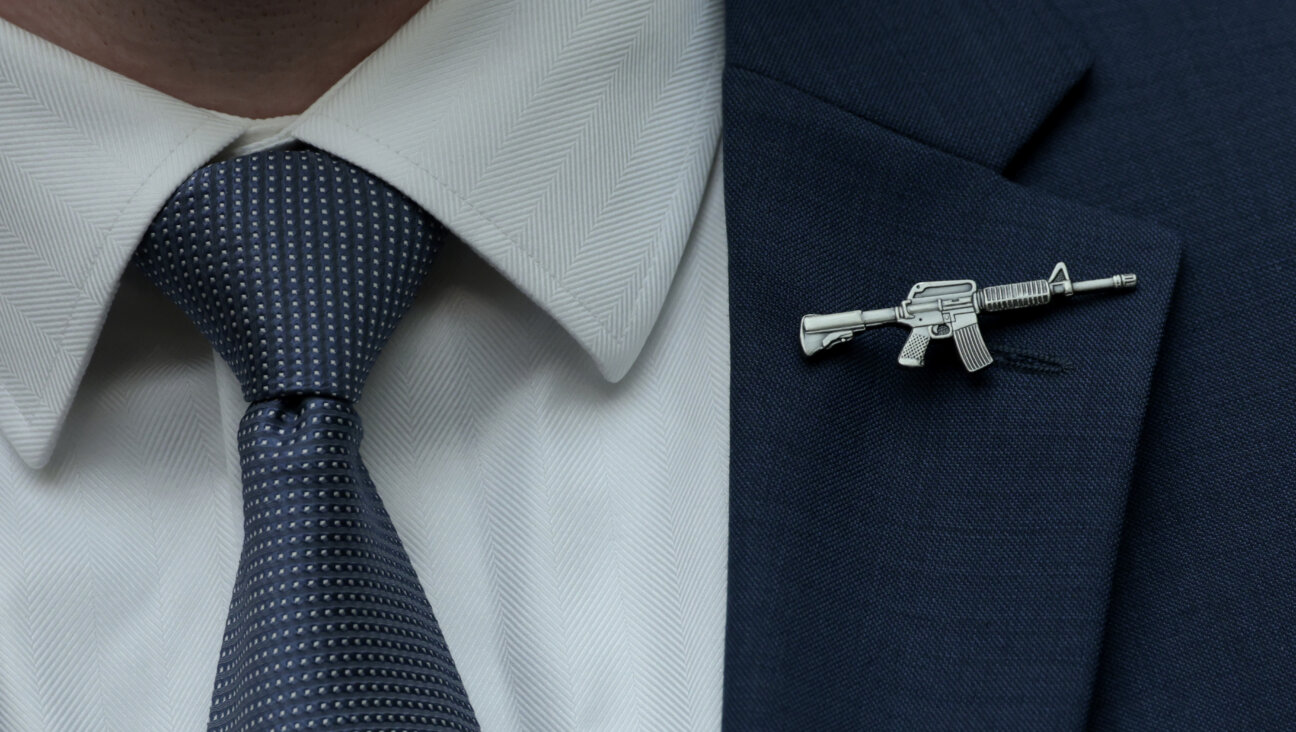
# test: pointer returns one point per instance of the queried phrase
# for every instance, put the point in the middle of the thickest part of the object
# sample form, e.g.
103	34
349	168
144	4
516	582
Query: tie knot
295	264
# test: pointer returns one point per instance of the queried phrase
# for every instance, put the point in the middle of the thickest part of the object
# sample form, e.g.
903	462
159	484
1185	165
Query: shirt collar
568	143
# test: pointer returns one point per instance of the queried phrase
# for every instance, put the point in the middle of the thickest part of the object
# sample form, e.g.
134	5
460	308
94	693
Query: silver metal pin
949	309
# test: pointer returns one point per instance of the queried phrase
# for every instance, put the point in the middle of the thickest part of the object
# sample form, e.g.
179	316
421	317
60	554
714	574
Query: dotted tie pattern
297	266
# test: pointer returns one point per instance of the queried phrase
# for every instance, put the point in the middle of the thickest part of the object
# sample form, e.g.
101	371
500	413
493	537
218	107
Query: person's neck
252	58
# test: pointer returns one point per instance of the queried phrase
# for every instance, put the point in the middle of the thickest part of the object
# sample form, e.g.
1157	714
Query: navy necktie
297	267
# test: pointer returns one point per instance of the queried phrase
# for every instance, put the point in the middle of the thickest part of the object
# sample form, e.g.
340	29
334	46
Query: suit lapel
919	549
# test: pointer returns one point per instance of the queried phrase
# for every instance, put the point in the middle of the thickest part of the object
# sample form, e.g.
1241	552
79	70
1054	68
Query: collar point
614	353
615	366
32	443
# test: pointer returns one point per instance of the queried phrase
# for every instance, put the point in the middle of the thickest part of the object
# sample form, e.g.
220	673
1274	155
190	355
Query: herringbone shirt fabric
297	267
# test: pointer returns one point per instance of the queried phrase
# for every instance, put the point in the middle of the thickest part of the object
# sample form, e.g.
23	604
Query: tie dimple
297	267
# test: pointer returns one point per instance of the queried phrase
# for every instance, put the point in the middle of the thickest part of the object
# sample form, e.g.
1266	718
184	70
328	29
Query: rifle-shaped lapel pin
948	309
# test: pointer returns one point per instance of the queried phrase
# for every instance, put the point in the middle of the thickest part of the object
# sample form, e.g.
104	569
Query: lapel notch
974	79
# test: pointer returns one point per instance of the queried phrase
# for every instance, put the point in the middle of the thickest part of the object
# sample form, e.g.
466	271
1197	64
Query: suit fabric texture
1096	532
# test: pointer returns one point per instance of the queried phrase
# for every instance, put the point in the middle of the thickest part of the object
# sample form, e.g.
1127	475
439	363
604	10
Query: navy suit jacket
1099	531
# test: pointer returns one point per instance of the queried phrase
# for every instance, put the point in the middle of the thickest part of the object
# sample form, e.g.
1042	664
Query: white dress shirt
548	427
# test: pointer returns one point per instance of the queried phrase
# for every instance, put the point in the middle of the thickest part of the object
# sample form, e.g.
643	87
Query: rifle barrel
1118	282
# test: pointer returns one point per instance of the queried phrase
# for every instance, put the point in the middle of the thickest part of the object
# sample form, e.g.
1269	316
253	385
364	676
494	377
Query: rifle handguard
1016	295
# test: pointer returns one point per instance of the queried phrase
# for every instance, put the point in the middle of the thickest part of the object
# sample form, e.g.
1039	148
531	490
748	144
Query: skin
252	58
